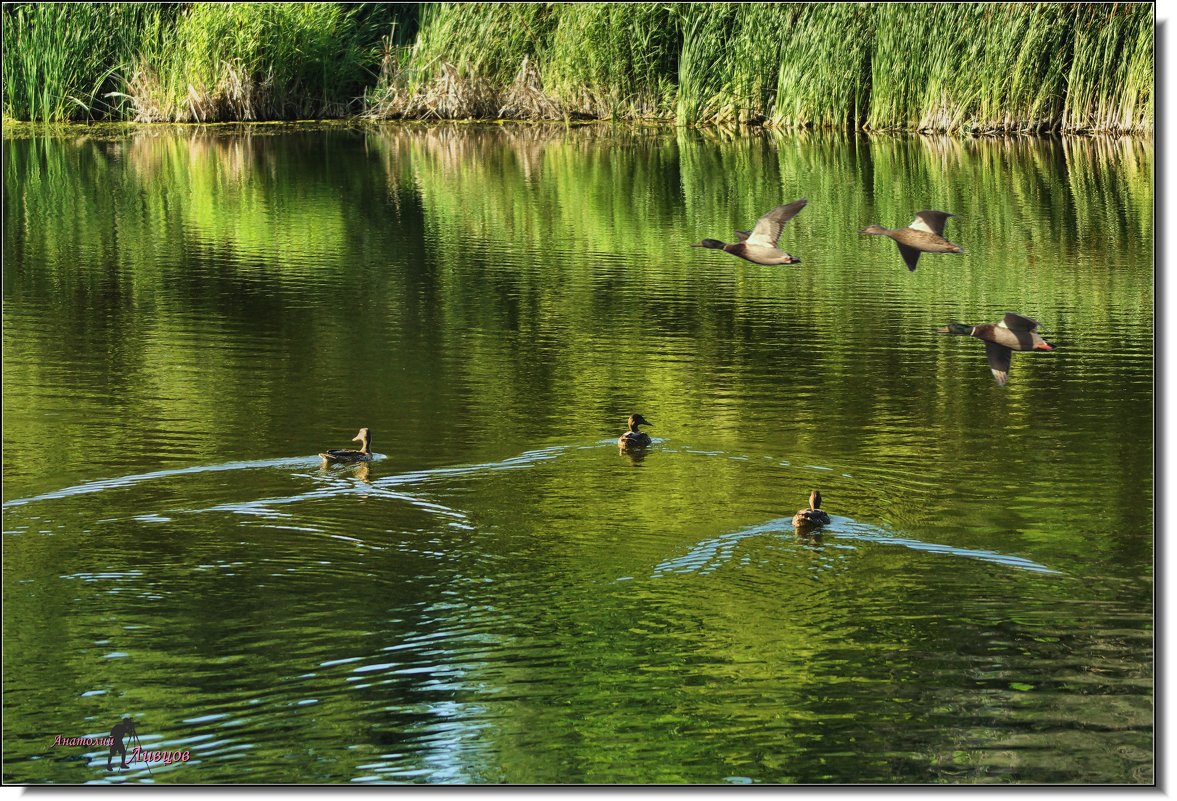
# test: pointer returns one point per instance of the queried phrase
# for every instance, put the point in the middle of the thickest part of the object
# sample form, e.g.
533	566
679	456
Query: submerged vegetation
972	68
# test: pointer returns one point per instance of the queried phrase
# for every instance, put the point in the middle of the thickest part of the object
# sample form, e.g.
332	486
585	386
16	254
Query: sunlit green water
189	317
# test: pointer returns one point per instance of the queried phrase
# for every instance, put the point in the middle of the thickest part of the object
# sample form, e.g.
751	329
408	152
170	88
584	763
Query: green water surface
191	315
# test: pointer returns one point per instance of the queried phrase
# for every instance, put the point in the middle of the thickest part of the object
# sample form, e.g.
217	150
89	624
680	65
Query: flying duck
634	438
813	516
759	245
347	456
924	235
1014	332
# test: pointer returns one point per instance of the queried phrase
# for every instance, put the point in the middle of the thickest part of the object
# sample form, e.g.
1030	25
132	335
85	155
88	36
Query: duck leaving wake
710	554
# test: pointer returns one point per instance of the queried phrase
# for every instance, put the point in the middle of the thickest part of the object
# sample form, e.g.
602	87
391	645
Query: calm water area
191	314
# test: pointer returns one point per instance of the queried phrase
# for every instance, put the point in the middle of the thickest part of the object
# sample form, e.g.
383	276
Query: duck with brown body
634	438
813	516
348	456
759	245
924	235
1014	332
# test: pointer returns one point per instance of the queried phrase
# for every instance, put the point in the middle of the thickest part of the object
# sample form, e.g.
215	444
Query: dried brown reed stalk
145	95
235	96
449	95
525	98
456	96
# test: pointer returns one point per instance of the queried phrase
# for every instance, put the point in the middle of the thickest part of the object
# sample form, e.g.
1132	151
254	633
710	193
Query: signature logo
125	730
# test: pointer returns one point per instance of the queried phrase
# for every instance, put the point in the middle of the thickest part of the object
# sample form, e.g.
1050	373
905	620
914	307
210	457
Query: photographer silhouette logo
125	727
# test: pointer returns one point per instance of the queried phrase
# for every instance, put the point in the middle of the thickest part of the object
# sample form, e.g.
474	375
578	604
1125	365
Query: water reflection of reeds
541	268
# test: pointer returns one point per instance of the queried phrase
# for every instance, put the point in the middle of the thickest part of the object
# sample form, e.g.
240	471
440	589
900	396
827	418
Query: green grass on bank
991	67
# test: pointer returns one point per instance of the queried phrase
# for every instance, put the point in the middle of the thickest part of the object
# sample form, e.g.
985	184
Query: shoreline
14	129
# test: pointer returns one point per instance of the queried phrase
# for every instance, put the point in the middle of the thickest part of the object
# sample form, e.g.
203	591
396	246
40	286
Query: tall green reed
227	61
612	60
702	62
1109	85
1011	67
823	78
62	60
729	60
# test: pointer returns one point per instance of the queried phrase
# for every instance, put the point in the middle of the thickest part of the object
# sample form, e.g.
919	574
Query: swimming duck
634	438
813	516
924	235
347	456
759	245
1014	332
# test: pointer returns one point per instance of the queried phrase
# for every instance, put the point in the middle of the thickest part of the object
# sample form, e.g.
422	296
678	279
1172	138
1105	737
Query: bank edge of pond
20	129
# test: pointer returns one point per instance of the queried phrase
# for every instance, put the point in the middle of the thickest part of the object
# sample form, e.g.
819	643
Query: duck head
714	244
956	328
636	420
873	230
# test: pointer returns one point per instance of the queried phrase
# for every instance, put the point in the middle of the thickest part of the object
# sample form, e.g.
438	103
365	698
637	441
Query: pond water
191	315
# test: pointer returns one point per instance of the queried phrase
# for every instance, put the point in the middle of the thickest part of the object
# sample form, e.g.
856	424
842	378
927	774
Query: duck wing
768	228
1017	323
930	221
999	360
910	255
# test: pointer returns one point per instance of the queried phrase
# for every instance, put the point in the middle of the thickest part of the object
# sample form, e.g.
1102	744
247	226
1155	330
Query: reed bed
612	60
62	61
463	63
823	79
971	68
701	62
982	68
251	61
1110	80
999	67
